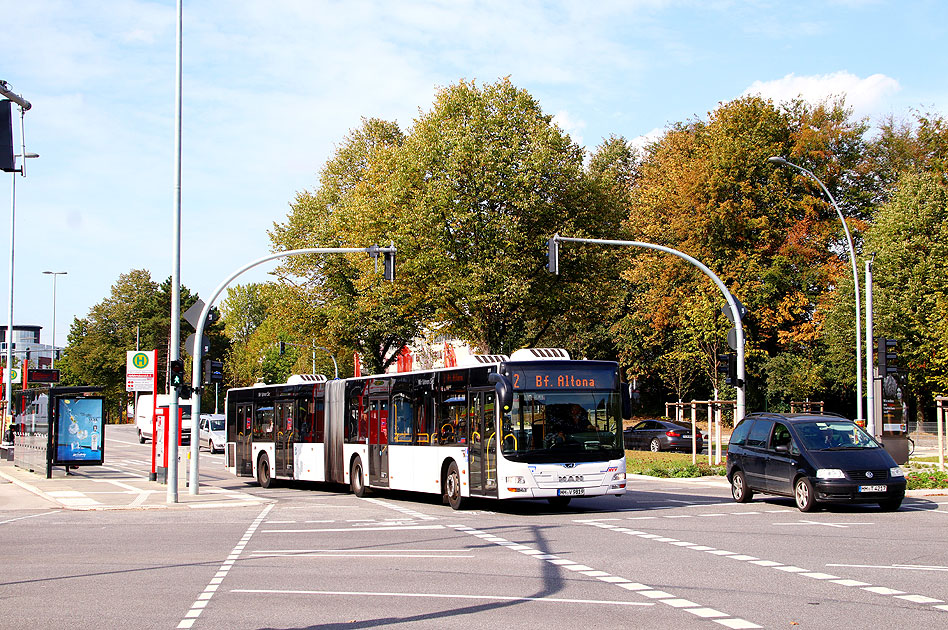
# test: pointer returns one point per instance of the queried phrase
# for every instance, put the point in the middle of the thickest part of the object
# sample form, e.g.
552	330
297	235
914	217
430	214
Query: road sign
140	370
189	344
17	376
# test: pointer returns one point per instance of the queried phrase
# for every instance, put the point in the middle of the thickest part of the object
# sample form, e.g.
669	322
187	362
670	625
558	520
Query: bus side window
263	424
319	418
403	413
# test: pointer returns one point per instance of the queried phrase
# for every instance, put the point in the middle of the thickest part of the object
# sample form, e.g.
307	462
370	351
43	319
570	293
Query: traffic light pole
553	267
373	251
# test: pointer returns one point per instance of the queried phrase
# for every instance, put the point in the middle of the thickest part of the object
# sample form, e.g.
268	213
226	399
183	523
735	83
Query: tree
470	196
706	189
910	280
137	310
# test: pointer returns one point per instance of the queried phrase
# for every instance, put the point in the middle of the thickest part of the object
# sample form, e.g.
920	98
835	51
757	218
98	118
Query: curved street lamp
779	161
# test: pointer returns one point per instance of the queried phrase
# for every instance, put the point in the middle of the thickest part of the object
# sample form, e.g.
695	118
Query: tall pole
870	378
175	350
852	259
24	106
52	352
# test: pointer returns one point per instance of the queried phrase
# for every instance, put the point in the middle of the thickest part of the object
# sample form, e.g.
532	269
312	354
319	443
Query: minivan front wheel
804	494
739	489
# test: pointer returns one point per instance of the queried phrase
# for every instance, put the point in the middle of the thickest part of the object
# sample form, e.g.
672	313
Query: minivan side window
782	437
759	434
739	435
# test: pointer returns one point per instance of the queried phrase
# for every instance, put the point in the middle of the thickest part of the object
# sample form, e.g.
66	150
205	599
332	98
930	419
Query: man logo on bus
140	360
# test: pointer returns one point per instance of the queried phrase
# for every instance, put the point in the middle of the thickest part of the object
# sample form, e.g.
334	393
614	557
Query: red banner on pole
357	365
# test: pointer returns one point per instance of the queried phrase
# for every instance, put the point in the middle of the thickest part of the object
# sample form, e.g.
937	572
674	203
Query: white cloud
574	128
867	97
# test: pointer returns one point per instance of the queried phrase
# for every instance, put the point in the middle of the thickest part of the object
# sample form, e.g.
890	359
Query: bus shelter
58	426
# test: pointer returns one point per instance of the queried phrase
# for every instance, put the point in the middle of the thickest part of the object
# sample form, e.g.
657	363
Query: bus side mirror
625	389
504	390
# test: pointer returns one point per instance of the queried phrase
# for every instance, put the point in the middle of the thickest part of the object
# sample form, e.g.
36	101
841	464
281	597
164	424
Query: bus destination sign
563	378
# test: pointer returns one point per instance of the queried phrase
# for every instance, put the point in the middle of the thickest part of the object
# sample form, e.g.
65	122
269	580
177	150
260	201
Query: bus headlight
618	476
517	480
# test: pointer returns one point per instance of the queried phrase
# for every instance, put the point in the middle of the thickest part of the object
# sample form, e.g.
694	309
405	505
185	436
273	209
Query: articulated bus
536	425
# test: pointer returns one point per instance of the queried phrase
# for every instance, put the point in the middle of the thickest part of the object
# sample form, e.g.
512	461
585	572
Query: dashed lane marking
815	575
643	590
204	598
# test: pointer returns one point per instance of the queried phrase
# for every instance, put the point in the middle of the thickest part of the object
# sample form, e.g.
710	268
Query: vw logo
868	474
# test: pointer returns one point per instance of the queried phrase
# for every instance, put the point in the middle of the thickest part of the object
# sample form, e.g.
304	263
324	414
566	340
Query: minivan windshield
830	435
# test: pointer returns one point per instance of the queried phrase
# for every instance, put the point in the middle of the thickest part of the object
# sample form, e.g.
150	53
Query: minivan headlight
896	471
830	473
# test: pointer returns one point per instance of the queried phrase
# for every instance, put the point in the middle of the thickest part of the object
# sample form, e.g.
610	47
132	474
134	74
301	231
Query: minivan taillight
672	433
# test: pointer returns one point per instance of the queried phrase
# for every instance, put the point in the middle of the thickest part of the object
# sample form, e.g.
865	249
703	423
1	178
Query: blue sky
270	88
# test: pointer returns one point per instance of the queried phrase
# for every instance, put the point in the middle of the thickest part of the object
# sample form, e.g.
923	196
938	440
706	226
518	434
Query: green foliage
707	189
137	309
669	465
924	479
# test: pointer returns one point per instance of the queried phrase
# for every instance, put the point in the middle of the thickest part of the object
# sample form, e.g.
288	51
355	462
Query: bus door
244	451
378	442
284	439
482	451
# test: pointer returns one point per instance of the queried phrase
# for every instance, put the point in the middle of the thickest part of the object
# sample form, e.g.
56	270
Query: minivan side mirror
783	449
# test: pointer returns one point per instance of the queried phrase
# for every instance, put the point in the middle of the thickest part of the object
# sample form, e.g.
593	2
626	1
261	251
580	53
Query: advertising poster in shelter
80	430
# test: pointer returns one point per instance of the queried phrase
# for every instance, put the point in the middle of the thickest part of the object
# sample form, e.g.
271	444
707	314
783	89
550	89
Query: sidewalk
107	488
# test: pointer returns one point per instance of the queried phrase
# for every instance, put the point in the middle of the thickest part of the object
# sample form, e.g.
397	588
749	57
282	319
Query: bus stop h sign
139	370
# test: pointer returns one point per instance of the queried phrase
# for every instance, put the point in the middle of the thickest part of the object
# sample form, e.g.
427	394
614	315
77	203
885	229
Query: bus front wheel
263	471
452	487
356	483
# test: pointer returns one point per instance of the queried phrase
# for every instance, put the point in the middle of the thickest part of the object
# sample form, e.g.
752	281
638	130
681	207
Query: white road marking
202	600
641	589
837	525
816	575
907	567
20	518
503	598
349	529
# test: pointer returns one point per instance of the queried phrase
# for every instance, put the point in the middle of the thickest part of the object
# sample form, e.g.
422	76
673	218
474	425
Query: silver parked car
212	431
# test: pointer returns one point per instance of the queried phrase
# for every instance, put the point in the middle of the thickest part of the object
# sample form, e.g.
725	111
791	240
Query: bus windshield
563	427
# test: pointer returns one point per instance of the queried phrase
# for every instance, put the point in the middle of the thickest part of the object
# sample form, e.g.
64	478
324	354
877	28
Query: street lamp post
852	259
52	352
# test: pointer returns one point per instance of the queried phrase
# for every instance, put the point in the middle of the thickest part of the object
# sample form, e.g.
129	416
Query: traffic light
553	255
887	357
282	348
389	268
213	371
176	372
727	365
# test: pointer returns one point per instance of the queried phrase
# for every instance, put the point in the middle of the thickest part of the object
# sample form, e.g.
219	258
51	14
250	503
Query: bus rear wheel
263	471
356	483
452	487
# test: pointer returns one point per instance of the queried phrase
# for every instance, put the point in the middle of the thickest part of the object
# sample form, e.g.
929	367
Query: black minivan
812	458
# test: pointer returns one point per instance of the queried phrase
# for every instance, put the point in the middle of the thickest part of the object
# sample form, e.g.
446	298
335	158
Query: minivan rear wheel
739	489
804	494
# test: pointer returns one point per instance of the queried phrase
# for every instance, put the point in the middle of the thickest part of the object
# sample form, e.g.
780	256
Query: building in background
27	339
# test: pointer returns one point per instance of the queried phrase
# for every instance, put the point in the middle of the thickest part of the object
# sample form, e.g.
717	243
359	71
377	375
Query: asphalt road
668	554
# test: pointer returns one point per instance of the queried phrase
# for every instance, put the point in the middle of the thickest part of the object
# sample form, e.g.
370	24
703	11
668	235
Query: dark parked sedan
661	435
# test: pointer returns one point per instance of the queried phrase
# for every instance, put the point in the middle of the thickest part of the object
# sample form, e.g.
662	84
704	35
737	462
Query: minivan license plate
872	488
571	492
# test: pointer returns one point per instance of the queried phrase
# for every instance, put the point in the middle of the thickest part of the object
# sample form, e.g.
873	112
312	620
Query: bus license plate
872	488
571	492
